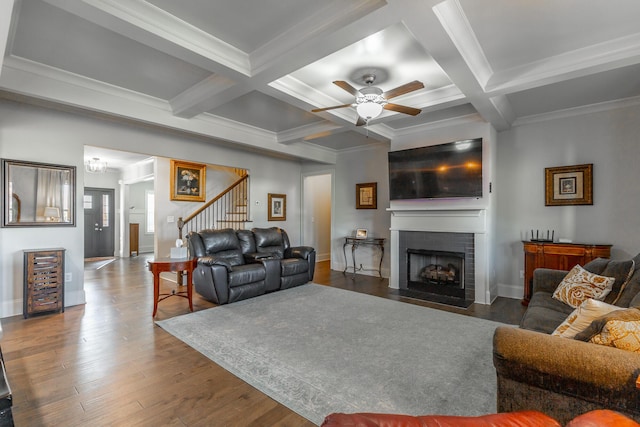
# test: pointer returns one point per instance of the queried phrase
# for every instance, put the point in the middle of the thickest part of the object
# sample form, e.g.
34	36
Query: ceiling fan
371	100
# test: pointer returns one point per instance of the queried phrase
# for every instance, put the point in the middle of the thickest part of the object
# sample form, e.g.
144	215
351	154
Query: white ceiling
249	72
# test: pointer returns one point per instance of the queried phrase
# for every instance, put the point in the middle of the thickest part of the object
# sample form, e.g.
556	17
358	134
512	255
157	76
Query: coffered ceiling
248	72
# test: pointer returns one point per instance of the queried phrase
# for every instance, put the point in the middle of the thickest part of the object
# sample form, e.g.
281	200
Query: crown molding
578	111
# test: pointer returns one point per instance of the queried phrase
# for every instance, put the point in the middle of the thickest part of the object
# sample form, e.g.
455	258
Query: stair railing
223	211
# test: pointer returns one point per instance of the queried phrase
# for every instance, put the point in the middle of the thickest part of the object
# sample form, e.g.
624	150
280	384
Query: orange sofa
597	418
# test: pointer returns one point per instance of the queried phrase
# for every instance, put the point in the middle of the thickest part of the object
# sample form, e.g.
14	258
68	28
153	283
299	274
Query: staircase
229	209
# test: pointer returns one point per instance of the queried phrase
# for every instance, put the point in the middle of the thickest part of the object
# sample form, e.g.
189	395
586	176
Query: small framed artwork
188	181
361	233
277	207
367	195
569	185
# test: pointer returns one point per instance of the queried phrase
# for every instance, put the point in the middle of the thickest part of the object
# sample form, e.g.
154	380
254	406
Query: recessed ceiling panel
615	84
59	39
344	140
246	25
432	116
392	54
265	112
513	33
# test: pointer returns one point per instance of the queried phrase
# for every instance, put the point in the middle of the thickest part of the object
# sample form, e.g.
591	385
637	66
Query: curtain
51	191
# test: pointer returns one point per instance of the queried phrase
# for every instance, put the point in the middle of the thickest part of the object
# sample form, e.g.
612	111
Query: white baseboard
510	291
15	307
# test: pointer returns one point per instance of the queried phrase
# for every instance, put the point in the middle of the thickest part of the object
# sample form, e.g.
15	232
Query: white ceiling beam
8	12
431	27
332	29
51	84
190	102
310	132
609	55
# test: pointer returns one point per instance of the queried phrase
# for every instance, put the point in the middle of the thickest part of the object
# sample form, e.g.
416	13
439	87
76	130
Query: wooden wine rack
43	281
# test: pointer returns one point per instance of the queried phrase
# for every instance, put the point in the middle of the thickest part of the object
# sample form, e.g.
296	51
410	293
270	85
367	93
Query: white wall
316	222
43	135
137	211
355	167
609	140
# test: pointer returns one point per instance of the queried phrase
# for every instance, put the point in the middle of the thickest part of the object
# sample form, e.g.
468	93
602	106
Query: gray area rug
318	350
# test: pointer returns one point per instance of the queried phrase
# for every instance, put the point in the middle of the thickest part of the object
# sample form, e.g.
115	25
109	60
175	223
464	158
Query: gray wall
608	139
43	135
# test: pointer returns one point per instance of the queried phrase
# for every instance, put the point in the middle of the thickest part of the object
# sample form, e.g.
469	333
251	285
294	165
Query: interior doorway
316	214
99	221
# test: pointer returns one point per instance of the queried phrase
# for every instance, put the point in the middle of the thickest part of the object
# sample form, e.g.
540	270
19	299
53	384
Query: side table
159	265
355	242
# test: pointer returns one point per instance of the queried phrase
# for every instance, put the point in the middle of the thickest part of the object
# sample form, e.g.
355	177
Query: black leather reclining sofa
238	264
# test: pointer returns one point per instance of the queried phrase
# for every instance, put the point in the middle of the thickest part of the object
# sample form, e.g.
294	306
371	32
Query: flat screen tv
451	170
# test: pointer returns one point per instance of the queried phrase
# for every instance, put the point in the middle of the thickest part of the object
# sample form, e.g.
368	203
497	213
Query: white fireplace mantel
445	220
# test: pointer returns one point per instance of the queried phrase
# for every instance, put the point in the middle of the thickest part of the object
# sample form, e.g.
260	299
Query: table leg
353	258
344	252
381	257
190	289
156	291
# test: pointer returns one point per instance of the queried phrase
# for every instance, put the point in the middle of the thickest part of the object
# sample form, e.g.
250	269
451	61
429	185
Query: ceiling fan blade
405	88
346	86
402	109
317	110
361	121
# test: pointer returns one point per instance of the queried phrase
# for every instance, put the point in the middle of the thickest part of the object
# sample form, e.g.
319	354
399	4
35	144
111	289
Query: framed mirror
38	194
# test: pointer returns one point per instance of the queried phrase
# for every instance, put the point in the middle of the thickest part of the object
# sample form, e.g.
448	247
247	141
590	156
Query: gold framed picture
569	185
367	195
188	181
277	207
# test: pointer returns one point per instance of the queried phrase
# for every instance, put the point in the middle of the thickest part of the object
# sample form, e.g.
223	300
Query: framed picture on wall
569	185
367	195
277	207
188	181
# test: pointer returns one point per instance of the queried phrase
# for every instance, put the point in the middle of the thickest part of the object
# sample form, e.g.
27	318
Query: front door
99	232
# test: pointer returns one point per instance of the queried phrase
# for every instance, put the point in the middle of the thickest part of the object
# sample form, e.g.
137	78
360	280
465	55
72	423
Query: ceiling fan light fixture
369	110
370	102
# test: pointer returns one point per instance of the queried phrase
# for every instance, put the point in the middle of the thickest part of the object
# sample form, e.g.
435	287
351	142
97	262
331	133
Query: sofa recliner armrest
546	279
210	261
254	257
593	370
301	252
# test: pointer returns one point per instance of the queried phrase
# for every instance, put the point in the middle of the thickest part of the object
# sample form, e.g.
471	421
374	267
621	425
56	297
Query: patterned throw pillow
579	285
621	334
582	317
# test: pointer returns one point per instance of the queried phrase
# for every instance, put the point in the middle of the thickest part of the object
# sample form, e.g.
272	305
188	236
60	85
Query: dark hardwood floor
106	363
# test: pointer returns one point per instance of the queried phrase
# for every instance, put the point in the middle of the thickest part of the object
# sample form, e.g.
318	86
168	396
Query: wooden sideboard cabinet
43	281
134	238
557	256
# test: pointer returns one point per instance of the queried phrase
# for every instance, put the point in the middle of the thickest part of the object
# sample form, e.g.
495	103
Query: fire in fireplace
438	272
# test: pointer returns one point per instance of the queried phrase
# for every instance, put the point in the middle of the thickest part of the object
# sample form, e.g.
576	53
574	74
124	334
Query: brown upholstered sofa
565	377
599	418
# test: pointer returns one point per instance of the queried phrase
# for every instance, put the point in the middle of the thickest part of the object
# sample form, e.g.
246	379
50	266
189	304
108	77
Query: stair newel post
180	225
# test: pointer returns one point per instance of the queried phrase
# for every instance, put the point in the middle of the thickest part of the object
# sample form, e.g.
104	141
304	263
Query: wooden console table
557	256
179	265
355	242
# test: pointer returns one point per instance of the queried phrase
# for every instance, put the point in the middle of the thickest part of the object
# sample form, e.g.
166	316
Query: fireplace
437	266
437	272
